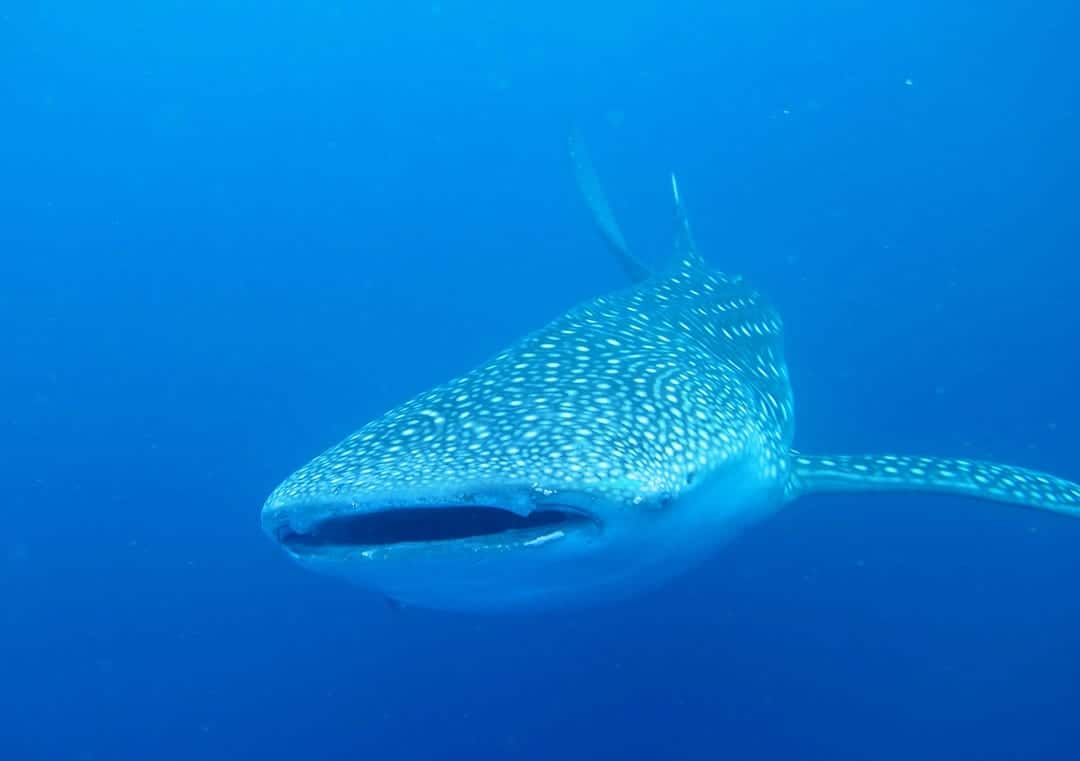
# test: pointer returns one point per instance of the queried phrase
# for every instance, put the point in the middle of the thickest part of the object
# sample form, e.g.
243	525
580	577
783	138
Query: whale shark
602	454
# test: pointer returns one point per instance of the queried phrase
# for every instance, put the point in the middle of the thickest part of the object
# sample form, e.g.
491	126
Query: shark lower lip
442	526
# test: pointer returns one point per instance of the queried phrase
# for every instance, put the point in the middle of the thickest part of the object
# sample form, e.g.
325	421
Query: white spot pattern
629	396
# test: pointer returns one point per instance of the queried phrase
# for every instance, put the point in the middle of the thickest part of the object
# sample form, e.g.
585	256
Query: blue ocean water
231	232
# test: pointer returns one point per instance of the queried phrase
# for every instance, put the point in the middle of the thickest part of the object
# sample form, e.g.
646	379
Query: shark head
601	454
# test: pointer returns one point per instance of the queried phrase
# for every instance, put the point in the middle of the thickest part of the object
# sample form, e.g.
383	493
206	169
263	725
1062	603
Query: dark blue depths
232	232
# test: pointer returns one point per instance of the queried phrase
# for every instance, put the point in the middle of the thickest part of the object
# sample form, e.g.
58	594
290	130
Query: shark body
604	453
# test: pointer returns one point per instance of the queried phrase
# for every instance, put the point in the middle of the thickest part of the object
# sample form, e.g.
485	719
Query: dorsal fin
685	248
935	475
590	188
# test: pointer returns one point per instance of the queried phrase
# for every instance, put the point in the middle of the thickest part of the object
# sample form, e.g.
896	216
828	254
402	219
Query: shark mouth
428	525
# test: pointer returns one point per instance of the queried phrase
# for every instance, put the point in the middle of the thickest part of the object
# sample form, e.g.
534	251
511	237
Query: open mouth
434	524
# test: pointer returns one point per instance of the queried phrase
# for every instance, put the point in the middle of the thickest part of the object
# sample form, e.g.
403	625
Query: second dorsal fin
685	248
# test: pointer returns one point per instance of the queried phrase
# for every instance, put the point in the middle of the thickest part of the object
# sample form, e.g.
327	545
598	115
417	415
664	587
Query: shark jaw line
345	529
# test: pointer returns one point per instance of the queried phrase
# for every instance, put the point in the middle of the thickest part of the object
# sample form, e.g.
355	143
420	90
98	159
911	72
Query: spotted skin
662	412
628	396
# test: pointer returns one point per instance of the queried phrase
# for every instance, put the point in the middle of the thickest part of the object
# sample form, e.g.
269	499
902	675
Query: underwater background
231	232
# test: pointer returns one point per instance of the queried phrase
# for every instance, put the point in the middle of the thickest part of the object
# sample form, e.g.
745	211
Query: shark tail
686	253
933	475
593	193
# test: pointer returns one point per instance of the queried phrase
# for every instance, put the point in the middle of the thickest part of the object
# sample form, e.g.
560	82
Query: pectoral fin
933	475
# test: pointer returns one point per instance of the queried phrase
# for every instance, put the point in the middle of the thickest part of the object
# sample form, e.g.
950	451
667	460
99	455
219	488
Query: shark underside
603	453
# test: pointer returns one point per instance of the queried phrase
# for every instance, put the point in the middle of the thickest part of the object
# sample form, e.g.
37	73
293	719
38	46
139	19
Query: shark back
629	398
